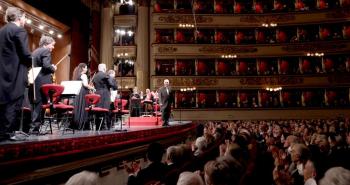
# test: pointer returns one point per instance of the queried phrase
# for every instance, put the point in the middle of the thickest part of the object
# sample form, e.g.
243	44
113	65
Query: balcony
250	20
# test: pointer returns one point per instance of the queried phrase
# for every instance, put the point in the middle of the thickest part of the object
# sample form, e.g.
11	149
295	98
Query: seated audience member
84	178
154	172
310	173
190	178
336	176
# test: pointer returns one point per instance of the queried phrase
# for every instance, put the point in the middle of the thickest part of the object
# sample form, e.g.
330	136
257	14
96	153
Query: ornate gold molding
281	80
193	81
184	19
167	49
227	49
313	47
267	18
343	13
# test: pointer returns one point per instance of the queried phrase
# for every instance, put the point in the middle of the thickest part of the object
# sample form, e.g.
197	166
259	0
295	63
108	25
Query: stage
40	158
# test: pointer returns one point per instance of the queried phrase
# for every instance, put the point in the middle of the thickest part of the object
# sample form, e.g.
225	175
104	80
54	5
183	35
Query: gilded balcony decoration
278	80
167	49
227	49
285	18
248	82
315	47
251	20
126	51
184	19
125	20
343	13
181	82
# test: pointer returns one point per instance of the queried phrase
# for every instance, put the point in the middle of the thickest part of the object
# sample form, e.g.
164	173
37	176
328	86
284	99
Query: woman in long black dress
80	115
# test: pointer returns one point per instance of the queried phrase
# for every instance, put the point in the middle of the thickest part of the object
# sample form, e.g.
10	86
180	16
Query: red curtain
285	96
263	97
299	5
308	96
258	8
180	36
281	36
260	37
223	97
262	66
202	67
328	64
238	8
222	67
218	37
306	65
239	37
243	97
324	33
243	67
322	4
284	66
219	8
157	8
202	97
331	95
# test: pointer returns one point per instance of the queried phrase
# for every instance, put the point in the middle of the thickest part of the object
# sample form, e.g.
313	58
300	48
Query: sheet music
33	73
71	87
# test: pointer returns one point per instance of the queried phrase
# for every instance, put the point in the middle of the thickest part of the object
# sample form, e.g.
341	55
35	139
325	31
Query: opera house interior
166	92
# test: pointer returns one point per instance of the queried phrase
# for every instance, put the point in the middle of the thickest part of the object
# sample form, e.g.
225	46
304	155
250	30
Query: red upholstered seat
53	93
92	100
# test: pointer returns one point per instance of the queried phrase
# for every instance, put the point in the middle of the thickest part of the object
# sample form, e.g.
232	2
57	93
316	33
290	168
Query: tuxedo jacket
15	58
42	58
165	98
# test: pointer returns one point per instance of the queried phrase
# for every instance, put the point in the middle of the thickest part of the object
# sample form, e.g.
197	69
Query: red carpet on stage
145	121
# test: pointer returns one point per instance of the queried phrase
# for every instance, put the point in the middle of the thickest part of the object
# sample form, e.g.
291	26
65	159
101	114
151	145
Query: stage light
29	21
51	32
130	3
130	33
41	27
122	32
117	30
59	36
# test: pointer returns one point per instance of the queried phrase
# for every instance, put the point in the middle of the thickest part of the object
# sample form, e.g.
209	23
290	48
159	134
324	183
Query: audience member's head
173	155
223	171
300	153
155	152
189	178
309	170
83	178
336	176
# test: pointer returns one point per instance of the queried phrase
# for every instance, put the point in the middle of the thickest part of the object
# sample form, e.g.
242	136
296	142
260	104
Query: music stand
120	107
71	89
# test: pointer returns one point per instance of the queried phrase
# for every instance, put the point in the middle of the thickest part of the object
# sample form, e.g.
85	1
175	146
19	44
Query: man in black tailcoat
15	58
42	58
165	100
102	83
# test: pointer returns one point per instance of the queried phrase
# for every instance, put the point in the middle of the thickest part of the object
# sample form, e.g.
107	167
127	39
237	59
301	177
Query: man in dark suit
102	83
15	58
42	58
165	101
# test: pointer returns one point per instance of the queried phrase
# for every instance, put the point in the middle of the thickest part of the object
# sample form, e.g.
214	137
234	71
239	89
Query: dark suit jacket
152	173
42	58
164	98
15	58
102	84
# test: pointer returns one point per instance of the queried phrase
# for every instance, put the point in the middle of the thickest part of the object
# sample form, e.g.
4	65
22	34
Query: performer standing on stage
102	84
135	103
165	101
15	58
80	115
42	58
